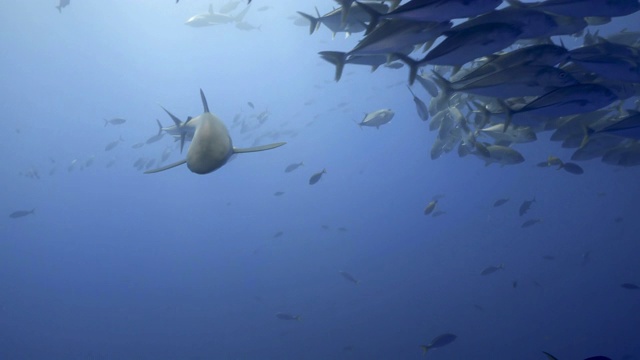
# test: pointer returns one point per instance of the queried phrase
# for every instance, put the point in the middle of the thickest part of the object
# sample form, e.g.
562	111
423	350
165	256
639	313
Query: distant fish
278	234
285	316
316	177
114	121
492	269
630	286
438	341
551	357
21	213
110	146
421	107
526	205
500	202
348	277
137	145
250	104
62	4
572	168
430	207
293	166
530	223
438	213
514	284
278	193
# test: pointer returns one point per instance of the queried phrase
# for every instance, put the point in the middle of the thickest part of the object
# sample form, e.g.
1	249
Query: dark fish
438	213
572	168
491	269
316	177
278	234
618	219
515	284
285	316
500	202
438	341
62	4
630	286
348	276
478	307
278	193
293	166
526	205
114	121
250	105
530	223
21	213
137	145
155	138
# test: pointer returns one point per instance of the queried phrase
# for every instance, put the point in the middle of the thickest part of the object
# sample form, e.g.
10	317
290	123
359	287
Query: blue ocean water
117	264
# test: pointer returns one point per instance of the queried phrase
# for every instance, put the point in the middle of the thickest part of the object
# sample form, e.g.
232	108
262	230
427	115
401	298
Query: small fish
421	107
114	121
250	104
530	223
526	205
618	219
285	316
514	284
137	145
438	341
293	166
430	207
549	257
500	202
630	286
492	269
348	277
113	144
438	213
278	234
316	177
21	213
572	168
278	193
377	118
342	229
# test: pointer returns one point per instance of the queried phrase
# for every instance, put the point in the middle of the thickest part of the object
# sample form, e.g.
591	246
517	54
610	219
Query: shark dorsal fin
173	117
204	101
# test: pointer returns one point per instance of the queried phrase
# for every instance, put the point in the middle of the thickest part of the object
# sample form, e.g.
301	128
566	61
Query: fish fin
106	122
508	112
166	167
313	22
549	356
175	119
424	349
204	101
411	63
159	127
374	15
258	148
183	135
443	84
337	58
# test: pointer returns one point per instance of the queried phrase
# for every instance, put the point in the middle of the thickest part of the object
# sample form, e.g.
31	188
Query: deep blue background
120	265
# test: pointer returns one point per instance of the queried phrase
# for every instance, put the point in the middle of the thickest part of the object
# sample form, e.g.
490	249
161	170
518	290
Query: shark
211	146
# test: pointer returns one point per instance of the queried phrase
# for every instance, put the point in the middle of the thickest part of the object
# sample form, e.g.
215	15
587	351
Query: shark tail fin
59	9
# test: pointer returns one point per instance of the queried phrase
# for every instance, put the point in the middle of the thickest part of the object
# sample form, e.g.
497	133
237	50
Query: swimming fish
438	341
491	269
348	277
285	316
316	177
21	213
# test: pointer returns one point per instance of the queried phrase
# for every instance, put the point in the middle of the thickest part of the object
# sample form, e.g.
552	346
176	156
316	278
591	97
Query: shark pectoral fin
182	138
166	167
258	148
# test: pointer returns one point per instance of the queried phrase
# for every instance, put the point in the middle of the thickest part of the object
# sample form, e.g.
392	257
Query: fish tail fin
33	211
424	349
324	170
508	113
314	22
587	133
412	64
298	317
59	9
443	84
374	16
337	58
159	127
106	122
